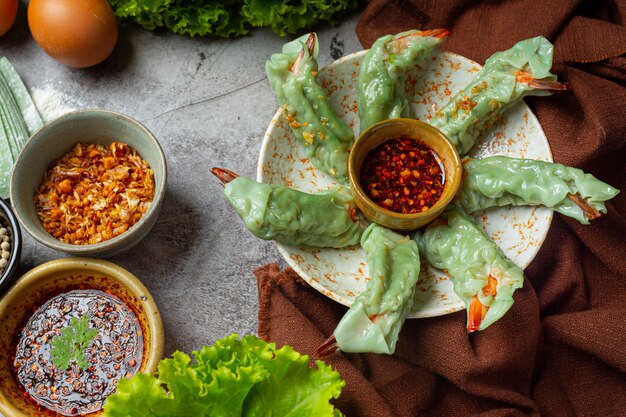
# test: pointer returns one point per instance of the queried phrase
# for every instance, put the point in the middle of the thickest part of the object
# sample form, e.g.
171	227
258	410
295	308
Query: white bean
5	245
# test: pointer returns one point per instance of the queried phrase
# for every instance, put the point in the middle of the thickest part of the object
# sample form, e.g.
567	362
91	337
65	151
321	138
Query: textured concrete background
209	103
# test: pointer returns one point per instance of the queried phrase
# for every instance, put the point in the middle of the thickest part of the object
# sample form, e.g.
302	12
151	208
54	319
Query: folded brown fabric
561	349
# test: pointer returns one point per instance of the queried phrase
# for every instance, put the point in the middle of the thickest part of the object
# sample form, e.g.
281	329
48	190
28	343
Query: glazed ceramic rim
453	179
116	273
92	249
16	244
284	250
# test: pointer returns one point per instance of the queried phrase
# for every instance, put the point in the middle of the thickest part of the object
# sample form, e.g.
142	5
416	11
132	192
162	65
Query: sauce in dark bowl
115	352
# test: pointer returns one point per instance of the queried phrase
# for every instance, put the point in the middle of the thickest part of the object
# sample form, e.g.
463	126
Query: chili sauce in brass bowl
403	173
69	330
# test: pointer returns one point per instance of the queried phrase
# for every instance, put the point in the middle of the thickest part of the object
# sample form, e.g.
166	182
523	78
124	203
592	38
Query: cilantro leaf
71	343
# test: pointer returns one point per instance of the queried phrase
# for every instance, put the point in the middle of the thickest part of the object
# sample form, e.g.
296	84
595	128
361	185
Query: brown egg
77	33
8	11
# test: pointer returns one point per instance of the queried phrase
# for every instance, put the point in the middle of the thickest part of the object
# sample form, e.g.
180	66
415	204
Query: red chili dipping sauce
99	334
403	175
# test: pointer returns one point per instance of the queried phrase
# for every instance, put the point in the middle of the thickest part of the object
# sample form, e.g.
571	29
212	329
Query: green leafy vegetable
285	16
230	17
71	343
234	377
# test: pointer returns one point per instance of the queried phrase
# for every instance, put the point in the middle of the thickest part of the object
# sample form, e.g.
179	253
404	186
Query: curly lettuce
230	18
285	16
234	377
185	17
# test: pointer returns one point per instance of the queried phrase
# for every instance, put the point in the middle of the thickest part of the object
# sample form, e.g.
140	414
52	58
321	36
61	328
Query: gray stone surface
209	104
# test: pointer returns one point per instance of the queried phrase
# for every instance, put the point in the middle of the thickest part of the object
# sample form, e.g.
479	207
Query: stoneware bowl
9	222
43	282
414	129
57	138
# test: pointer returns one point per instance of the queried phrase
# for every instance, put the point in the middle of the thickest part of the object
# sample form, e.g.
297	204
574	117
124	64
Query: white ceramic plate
341	274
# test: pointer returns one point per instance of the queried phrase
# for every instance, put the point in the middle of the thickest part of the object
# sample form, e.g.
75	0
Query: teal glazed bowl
57	138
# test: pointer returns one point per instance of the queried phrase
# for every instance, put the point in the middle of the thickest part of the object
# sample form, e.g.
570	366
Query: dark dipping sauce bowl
9	222
61	276
433	138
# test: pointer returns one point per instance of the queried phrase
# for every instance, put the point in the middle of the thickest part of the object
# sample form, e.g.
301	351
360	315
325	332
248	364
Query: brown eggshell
77	33
8	11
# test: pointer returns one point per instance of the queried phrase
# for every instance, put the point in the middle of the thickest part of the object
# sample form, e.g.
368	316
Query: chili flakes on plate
94	193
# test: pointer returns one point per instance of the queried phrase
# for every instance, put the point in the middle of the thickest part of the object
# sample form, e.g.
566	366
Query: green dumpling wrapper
500	181
463	249
374	320
291	217
382	93
326	138
494	90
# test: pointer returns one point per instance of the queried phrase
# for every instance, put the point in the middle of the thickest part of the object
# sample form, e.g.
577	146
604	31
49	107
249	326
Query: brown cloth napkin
561	349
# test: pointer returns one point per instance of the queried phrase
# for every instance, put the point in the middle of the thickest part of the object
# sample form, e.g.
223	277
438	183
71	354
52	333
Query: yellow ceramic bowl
38	285
395	128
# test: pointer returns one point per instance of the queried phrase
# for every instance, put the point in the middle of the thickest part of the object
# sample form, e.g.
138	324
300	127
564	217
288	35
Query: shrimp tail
474	315
554	86
310	43
436	33
224	175
399	44
477	311
327	348
589	211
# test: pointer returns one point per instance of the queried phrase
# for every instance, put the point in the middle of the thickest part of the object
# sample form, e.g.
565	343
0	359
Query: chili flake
403	175
94	193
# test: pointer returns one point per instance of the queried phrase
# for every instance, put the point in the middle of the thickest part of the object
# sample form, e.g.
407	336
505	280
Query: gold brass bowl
38	285
414	129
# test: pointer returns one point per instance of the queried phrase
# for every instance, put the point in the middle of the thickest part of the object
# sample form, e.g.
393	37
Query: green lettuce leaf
287	16
185	17
234	377
230	17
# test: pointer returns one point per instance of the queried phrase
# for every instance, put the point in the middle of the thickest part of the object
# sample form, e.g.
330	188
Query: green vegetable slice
12	120
234	377
6	163
25	103
19	119
6	150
